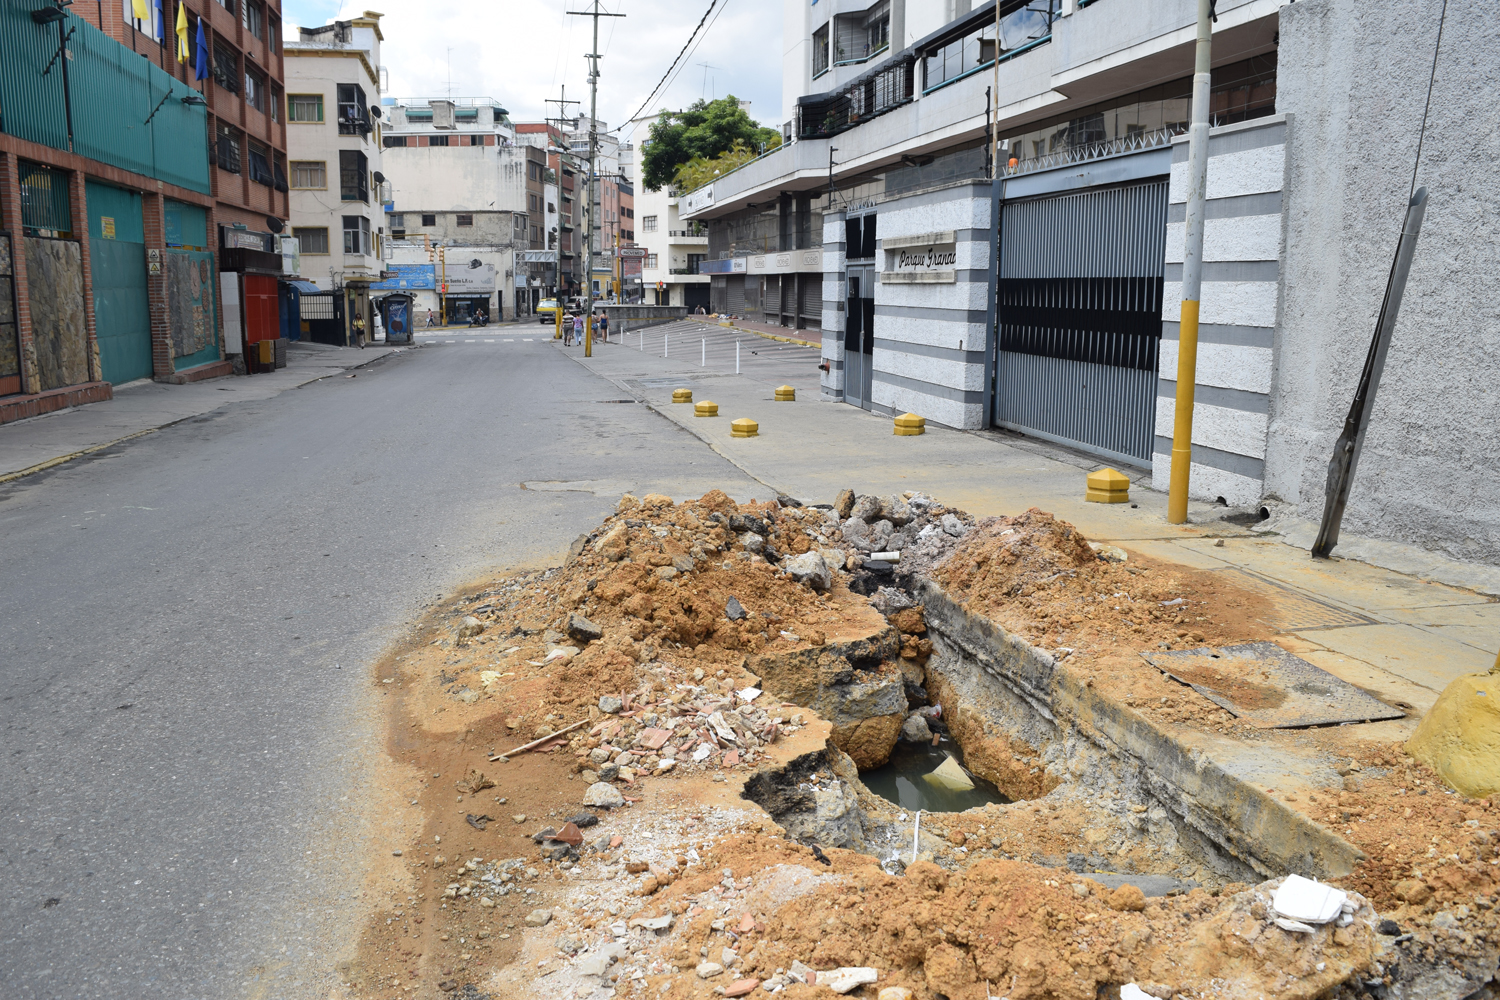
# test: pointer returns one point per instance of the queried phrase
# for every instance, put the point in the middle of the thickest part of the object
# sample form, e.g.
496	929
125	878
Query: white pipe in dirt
915	834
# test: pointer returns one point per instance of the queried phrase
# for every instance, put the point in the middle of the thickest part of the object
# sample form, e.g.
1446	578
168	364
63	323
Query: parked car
546	310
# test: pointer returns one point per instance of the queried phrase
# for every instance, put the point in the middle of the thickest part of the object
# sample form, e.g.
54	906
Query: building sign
107	226
469	280
696	201
538	256
632	253
407	277
928	258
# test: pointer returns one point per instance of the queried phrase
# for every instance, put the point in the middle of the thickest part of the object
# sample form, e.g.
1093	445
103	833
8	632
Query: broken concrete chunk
866	508
707	970
844	979
809	568
612	545
951	525
895	510
610	705
843	503
470	627
1306	901
748	522
538	918
583	630
602	795
915	729
753	541
596	964
735	611
660	923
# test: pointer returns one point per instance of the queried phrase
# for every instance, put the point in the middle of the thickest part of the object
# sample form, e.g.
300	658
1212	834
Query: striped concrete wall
1242	253
833	306
930	339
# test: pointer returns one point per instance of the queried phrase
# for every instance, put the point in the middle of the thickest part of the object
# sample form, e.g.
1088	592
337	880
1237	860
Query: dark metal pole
1346	451
62	56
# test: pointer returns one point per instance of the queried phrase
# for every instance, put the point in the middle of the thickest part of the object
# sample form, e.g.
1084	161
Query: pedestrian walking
578	328
603	325
429	319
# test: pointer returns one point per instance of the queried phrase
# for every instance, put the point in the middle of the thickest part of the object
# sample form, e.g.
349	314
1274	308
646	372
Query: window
227	5
651	262
356	234
857	37
531	202
260	165
437	140
354	177
476	140
253	16
312	240
820	52
274	27
255	89
304	108
629	213
648	223
395	140
275	103
309	175
228	149
551	208
226	71
429	220
464	219
628	235
354	115
1021	27
397	221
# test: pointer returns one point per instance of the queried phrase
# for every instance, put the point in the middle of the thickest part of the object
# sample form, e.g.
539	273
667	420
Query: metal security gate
117	262
1079	299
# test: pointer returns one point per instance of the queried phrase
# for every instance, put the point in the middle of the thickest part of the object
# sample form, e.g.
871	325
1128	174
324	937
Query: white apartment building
457	177
675	251
333	82
1041	294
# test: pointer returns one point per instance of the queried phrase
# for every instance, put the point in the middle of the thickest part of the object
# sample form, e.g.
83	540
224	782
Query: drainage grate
664	383
1293	611
1265	685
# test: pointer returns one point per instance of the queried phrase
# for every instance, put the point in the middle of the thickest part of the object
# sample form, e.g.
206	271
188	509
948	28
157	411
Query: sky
521	52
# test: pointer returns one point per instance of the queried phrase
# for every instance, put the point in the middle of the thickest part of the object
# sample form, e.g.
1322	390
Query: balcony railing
1096	150
692	234
684	270
865	98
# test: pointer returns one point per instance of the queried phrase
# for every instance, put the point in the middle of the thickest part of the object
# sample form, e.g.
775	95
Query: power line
1436	47
657	89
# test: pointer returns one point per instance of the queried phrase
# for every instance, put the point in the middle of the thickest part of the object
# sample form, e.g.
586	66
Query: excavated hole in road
908	780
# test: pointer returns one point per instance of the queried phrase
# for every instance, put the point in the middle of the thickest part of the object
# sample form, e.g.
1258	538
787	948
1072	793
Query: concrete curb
772	336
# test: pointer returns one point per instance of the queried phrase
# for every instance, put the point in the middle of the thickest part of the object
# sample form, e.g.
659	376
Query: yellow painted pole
588	336
557	316
1192	274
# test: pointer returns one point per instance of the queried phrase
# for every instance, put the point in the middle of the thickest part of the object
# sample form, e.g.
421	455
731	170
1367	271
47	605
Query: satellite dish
274	224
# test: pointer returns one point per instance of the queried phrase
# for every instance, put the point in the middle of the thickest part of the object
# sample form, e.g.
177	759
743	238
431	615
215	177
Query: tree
706	130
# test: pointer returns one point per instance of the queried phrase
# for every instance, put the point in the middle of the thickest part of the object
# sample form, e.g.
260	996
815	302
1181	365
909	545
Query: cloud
521	52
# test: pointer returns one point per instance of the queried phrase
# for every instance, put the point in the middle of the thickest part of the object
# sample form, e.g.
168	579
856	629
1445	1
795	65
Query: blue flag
201	66
161	23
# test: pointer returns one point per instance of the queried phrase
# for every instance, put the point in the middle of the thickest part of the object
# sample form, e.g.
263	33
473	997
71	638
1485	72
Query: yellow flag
182	32
142	12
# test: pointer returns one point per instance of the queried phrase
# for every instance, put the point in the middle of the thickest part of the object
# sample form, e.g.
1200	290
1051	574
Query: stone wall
58	326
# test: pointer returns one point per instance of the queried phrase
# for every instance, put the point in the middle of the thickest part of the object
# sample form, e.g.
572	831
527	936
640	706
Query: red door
262	317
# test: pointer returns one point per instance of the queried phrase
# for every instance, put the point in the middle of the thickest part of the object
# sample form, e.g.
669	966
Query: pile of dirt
1040	578
999	928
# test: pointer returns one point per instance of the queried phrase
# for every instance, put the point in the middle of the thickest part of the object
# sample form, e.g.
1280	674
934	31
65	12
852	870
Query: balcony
688	237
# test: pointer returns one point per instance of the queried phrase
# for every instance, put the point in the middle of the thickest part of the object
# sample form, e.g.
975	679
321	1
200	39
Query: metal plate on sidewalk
1291	610
1265	685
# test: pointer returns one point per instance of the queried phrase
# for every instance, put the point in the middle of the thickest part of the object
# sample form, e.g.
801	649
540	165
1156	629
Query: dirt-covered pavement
698	687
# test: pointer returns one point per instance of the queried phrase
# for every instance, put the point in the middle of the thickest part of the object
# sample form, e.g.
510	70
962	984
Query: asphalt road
186	709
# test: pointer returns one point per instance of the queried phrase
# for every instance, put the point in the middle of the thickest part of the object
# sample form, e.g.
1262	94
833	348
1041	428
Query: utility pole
1192	273
588	288
563	152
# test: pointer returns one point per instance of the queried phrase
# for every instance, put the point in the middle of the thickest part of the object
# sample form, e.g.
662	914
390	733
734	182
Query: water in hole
906	780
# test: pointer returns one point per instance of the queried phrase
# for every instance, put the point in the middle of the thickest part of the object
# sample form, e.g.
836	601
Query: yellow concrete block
1108	486
682	395
744	428
909	425
1459	737
705	409
786	394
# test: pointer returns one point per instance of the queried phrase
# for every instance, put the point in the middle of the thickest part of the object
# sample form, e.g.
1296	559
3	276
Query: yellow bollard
744	428
682	395
705	409
786	394
1108	486
910	425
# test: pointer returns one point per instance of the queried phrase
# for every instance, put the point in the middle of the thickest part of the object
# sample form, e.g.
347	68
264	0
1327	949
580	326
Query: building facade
108	262
1038	289
333	76
458	177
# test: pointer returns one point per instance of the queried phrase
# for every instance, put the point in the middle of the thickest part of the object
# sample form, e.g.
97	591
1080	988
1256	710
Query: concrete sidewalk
28	446
1402	630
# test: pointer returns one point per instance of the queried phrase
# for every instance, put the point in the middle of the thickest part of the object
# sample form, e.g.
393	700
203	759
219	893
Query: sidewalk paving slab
138	408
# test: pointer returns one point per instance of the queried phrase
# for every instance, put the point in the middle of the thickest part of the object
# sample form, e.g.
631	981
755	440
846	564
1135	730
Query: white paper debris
750	693
1309	902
